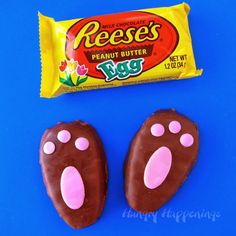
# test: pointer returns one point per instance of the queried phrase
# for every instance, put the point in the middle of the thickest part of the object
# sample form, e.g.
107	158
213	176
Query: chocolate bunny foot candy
74	171
160	158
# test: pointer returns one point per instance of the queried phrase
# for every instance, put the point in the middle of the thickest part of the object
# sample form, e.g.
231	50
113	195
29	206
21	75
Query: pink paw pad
186	140
64	136
72	188
174	127
49	148
157	167
81	143
157	130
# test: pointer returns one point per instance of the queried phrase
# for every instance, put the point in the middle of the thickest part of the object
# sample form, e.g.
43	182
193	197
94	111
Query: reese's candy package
115	50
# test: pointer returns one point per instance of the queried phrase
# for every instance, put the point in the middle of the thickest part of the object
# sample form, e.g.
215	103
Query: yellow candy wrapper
115	50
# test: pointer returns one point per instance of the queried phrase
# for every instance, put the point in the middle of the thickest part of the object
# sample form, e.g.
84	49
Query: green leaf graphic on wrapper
69	67
80	81
67	81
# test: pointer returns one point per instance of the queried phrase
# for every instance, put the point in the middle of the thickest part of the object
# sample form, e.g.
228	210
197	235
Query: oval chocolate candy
160	157
74	170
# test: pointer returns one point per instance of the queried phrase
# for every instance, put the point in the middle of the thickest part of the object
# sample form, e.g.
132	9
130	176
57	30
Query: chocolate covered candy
74	170
160	157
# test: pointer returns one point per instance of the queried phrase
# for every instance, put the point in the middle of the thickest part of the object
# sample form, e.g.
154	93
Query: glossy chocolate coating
90	163
143	145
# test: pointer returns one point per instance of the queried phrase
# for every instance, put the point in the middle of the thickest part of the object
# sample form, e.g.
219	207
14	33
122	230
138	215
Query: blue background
209	100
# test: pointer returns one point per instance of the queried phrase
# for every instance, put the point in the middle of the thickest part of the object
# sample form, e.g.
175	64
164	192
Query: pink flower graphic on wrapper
81	70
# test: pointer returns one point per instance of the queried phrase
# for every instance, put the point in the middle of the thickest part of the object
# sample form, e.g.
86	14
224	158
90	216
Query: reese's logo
128	36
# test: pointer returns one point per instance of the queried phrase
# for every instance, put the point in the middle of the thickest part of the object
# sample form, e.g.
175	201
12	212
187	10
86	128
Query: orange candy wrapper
115	50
